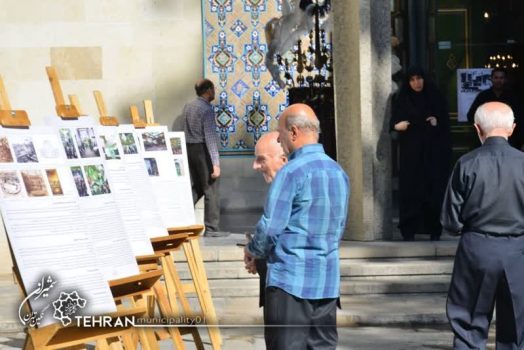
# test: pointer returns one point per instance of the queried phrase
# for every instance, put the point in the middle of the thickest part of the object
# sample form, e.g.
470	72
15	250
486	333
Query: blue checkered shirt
304	218
200	126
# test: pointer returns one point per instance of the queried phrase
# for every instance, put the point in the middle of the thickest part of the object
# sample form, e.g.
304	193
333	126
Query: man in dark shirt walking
202	151
498	92
485	203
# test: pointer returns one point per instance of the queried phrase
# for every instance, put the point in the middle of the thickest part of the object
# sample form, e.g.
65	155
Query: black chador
424	156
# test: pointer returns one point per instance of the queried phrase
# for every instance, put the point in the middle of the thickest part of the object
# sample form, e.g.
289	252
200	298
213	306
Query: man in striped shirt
202	151
299	233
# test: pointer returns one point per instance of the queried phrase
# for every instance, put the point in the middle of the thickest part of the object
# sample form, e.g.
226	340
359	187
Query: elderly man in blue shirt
299	234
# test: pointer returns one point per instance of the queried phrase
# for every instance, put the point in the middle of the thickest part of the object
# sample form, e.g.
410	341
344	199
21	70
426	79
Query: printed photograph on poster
80	183
69	145
154	141
34	183
54	182
470	81
86	140
110	148
24	150
5	151
96	179
48	150
127	140
179	167
176	145
10	184
152	167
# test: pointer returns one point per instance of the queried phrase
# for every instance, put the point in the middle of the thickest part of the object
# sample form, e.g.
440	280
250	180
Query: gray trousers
488	270
200	170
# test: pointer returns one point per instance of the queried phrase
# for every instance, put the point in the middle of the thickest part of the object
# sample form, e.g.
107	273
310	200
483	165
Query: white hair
489	119
302	122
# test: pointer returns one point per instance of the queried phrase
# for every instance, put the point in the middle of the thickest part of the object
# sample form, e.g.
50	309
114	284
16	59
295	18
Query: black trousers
261	265
488	271
200	170
292	323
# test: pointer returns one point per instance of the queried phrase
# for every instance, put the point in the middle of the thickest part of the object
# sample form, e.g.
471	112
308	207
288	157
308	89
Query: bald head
302	116
269	156
494	119
298	126
268	143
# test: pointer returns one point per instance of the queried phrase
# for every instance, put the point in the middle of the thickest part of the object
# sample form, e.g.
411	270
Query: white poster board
470	81
46	226
169	174
134	189
100	210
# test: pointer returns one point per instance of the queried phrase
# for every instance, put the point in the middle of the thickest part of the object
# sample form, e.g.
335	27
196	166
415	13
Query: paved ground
361	338
390	336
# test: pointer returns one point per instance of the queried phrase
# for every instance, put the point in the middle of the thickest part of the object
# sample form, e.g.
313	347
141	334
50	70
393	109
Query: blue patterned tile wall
248	99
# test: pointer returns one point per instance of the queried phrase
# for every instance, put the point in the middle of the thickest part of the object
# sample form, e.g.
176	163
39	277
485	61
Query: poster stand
159	296
187	238
139	289
55	336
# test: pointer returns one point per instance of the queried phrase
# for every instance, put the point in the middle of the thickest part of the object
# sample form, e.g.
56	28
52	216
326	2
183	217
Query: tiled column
362	64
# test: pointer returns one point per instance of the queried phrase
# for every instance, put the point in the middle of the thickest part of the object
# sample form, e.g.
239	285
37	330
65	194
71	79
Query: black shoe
408	238
435	237
216	234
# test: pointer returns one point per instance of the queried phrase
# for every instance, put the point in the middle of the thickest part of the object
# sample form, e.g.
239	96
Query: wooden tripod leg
114	343
39	337
170	284
129	343
146	336
166	311
101	344
198	272
172	278
177	283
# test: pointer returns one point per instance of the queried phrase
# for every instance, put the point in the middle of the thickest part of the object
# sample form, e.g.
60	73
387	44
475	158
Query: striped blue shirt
303	221
200	126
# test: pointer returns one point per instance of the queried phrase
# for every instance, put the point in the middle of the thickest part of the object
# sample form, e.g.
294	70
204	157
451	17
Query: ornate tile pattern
248	100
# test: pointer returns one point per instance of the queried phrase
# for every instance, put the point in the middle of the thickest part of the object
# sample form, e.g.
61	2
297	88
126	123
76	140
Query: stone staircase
401	283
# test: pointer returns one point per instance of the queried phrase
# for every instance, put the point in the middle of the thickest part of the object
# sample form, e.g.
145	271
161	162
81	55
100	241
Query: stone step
357	310
348	286
226	249
348	268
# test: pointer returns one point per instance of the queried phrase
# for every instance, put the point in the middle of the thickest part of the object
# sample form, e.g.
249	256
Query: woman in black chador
420	117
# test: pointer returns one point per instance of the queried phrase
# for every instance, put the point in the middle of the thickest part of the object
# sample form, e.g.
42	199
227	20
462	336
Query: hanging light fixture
502	61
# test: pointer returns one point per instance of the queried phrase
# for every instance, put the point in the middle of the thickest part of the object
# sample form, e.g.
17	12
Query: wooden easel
63	110
139	289
105	119
187	238
151	262
55	336
8	116
135	118
199	285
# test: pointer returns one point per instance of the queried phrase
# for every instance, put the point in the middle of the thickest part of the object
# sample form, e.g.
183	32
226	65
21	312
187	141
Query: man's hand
432	121
249	261
216	172
402	126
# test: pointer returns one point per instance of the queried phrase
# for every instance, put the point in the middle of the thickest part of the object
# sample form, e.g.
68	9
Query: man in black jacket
484	202
499	92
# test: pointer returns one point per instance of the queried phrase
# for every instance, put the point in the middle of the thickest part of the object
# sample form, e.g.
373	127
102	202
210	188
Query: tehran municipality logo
65	307
47	305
